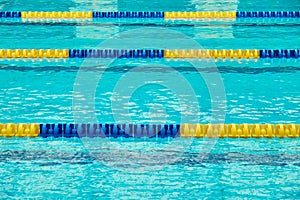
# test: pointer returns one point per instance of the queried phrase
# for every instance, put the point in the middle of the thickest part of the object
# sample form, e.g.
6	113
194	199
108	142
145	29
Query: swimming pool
150	91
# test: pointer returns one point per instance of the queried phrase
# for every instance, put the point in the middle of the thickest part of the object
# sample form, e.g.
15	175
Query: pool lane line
151	53
147	14
151	130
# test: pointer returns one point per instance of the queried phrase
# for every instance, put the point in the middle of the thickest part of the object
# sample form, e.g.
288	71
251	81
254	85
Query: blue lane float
109	130
268	14
9	14
280	53
128	14
110	53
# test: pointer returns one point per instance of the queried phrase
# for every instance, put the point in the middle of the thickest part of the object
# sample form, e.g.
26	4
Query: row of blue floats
109	130
280	53
109	53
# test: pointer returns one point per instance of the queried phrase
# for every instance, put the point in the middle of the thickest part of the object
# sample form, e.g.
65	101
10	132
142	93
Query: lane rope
151	53
141	14
151	130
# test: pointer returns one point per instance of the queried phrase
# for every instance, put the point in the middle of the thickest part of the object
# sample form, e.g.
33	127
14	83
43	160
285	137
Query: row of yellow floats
189	15
212	53
34	53
56	14
240	130
19	130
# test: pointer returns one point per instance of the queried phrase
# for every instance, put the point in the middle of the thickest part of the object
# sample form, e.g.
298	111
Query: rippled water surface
150	91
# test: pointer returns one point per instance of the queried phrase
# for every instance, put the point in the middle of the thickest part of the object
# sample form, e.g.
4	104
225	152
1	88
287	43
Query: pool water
150	91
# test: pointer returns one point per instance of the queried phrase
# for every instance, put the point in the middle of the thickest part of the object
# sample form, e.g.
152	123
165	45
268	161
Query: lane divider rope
163	15
152	130
150	53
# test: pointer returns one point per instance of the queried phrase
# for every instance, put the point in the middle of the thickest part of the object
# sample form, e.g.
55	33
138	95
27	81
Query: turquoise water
249	168
150	91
